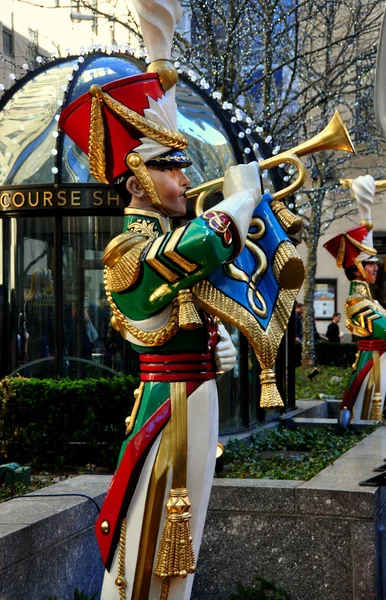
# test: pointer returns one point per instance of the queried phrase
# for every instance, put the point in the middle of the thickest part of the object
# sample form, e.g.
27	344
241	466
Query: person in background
298	322
333	333
39	320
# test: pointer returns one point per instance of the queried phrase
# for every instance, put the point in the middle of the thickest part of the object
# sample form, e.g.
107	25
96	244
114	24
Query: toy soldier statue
151	523
167	288
365	317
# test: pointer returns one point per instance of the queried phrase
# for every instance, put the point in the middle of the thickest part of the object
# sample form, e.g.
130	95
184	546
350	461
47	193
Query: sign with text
61	197
325	298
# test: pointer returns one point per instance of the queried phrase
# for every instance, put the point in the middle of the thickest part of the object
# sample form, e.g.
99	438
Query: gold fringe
188	317
125	272
270	397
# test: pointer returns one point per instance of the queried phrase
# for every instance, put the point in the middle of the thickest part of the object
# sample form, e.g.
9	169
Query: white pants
202	444
358	405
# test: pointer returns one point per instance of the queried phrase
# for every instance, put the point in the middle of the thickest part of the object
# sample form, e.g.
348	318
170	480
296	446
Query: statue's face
171	184
371	270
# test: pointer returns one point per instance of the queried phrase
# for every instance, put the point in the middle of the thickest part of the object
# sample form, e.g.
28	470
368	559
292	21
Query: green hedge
330	354
55	422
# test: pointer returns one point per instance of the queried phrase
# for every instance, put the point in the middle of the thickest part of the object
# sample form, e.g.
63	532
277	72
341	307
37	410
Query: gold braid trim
264	343
125	272
160	134
96	142
120	580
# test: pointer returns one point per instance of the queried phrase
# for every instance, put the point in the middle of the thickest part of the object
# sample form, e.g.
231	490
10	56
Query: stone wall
320	540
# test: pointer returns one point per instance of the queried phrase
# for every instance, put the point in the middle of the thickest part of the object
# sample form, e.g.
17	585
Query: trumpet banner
256	292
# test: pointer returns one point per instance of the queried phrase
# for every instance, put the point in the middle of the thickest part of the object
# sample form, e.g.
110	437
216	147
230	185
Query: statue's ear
135	188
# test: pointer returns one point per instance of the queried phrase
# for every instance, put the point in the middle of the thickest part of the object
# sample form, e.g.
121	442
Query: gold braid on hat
361	247
96	146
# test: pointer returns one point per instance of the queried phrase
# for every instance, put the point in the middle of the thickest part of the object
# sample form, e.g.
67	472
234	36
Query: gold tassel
270	397
176	555
290	222
188	317
376	408
376	405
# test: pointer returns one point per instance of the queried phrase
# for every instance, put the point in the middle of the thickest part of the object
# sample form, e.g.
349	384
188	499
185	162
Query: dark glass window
7	43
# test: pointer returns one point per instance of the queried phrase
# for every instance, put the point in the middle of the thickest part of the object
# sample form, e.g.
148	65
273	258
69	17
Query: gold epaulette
122	261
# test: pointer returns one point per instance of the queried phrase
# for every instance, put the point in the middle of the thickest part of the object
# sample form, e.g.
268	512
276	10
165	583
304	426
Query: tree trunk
308	348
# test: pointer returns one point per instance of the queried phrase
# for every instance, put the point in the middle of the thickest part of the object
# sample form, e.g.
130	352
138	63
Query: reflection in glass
87	331
40	321
102	70
209	147
32	306
27	125
229	392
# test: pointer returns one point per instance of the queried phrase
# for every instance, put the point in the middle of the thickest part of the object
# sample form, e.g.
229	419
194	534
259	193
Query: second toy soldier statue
365	317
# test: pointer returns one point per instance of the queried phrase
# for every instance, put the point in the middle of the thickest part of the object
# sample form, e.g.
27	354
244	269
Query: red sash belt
374	345
192	366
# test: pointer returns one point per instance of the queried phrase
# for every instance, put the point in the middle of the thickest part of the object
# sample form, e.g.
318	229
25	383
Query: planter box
320	540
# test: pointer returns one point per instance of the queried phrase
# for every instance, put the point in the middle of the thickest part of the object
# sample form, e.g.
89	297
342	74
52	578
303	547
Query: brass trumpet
380	185
333	137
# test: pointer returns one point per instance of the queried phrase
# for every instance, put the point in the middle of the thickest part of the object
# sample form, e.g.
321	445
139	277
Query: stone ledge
31	525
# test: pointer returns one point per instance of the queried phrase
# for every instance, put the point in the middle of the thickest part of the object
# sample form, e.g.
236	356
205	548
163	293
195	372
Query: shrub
46	421
331	381
328	353
285	454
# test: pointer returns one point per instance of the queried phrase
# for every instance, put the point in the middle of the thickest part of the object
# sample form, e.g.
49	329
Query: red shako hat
346	247
109	122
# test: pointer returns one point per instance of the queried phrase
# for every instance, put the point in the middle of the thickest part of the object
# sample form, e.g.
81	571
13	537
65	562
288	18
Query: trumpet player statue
365	317
156	278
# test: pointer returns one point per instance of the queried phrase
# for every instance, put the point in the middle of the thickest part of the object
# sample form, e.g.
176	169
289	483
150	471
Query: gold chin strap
136	164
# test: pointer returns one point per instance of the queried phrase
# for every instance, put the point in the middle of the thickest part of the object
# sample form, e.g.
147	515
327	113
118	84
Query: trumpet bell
333	137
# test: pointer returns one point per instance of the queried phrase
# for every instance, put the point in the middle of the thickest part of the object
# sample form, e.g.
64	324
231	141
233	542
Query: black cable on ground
53	496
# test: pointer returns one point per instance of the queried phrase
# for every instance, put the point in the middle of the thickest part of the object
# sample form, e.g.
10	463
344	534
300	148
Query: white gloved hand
243	178
224	352
363	189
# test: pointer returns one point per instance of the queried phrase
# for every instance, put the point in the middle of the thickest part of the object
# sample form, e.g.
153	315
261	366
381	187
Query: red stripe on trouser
352	392
124	482
178	376
172	368
177	358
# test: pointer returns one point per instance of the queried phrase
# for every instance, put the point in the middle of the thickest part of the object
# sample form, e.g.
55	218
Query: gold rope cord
150	338
160	134
152	517
175	555
96	142
120	580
